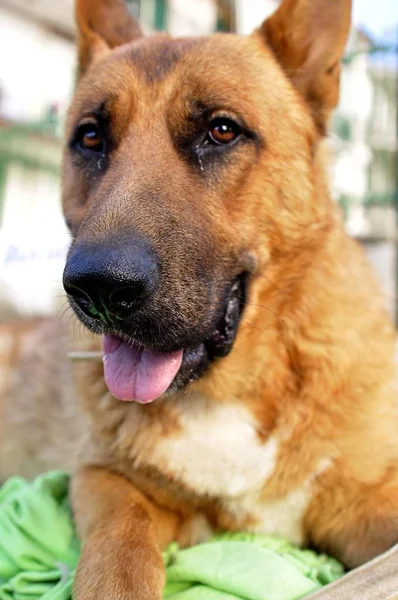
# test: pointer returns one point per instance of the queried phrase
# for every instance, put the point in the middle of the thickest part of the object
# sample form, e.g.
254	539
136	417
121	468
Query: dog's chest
216	452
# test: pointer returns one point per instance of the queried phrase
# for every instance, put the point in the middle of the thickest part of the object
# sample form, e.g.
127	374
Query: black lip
221	342
194	364
196	361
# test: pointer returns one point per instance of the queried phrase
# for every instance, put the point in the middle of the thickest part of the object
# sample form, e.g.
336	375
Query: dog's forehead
156	56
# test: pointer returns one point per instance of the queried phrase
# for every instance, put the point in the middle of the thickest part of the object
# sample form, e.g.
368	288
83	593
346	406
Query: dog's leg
355	521
122	534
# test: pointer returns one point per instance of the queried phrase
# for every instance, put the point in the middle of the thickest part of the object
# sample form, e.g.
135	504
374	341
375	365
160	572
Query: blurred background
37	78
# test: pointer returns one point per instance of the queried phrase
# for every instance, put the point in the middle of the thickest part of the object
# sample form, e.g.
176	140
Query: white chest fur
217	451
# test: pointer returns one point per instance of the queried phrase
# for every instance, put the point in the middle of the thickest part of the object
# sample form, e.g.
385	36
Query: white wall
383	257
36	68
192	17
33	241
37	71
58	13
251	13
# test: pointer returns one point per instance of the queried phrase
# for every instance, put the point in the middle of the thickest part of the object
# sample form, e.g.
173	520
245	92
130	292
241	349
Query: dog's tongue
132	373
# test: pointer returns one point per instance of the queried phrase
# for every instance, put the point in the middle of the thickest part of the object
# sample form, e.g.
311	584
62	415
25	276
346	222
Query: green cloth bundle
39	551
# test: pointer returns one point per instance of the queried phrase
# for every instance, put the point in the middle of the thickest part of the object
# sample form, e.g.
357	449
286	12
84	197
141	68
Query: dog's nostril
83	301
126	299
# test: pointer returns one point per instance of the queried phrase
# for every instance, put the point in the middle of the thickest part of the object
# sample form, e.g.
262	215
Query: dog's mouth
134	372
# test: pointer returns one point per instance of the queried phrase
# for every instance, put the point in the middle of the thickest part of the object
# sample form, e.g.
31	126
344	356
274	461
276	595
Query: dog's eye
223	131
90	139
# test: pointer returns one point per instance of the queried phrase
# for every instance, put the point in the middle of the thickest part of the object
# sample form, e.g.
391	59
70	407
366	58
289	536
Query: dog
248	378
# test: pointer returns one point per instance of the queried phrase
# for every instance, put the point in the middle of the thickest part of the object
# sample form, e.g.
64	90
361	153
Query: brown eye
90	138
223	131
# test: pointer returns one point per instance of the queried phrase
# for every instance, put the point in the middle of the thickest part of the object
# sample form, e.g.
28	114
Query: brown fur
312	368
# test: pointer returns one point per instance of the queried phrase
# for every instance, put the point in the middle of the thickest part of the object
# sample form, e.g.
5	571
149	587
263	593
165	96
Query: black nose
111	280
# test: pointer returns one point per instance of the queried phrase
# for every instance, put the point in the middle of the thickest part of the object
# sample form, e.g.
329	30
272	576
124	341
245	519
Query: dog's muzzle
114	288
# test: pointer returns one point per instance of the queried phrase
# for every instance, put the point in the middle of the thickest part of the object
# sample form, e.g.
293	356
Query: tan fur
294	432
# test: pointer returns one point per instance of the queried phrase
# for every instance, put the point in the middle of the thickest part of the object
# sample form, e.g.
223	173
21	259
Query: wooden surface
377	580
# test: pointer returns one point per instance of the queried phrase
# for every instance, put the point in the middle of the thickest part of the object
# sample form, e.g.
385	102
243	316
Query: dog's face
190	171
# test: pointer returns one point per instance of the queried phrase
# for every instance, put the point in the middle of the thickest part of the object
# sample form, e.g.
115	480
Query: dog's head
191	170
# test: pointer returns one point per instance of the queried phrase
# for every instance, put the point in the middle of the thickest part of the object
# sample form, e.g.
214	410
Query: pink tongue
137	374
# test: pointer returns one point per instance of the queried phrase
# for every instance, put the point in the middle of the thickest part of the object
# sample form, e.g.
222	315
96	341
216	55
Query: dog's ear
308	38
101	26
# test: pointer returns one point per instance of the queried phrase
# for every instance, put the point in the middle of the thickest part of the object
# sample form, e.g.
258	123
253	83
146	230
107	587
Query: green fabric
39	552
38	545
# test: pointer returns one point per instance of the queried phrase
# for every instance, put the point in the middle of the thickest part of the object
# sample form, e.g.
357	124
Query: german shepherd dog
248	378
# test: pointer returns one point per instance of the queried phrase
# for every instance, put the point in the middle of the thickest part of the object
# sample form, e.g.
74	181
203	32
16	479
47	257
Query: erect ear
101	26
308	38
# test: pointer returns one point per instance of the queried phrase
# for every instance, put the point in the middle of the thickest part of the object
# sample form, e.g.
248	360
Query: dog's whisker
81	356
252	326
